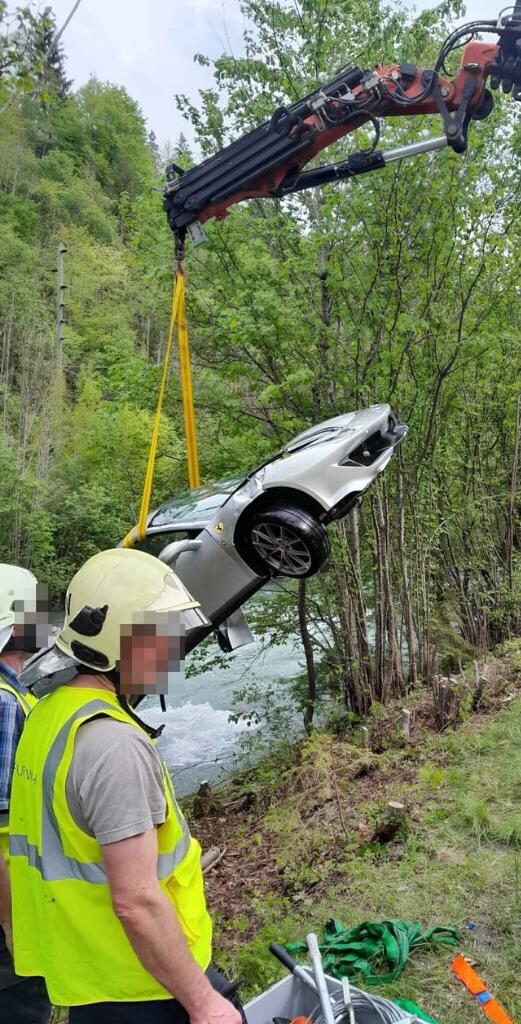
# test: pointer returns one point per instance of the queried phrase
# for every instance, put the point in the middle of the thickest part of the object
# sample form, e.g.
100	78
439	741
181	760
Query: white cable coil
374	1009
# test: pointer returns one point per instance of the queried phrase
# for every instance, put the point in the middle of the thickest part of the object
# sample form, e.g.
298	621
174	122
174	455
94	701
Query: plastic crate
290	998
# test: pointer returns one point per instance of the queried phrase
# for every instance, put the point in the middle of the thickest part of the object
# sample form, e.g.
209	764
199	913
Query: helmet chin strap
153	733
136	701
114	677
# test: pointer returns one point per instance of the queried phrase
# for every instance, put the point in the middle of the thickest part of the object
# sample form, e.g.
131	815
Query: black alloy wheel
284	542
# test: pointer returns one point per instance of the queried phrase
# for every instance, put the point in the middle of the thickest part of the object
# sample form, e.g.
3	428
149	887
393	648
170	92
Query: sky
148	47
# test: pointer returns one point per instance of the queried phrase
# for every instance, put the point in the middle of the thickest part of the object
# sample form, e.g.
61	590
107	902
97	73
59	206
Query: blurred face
32	629
151	655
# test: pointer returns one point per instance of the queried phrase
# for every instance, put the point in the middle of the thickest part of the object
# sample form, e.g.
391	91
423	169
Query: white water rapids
197	727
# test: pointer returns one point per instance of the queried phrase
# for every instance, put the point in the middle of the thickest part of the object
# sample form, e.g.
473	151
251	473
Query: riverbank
308	841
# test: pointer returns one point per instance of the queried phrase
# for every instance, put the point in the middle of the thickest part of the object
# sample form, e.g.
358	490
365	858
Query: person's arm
154	931
5	905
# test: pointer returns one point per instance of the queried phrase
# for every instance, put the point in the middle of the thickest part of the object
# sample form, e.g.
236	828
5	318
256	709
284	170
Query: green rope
405	1004
376	951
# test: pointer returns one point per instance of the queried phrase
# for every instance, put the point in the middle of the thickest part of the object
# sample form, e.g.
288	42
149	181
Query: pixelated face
151	654
32	628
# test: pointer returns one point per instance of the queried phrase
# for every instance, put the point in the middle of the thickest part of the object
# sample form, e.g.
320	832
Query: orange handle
467	975
495	1012
477	988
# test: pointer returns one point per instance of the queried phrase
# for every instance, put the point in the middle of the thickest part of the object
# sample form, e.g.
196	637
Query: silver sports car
226	541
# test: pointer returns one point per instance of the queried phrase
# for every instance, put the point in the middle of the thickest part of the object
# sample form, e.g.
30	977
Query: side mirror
233	632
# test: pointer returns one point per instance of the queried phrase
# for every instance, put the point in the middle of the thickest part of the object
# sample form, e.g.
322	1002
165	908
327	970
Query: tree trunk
323	377
310	660
379	611
358	680
406	586
512	499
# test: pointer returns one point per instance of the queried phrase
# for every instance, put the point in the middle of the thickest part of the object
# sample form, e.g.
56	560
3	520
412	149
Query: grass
458	862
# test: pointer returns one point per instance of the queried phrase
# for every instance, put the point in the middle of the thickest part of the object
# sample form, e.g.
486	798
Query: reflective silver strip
52	863
54	868
168	862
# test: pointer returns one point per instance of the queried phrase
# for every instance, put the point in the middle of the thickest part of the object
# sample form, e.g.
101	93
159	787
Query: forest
400	287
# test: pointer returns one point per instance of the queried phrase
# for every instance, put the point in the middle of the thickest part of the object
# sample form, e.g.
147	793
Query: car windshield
191	506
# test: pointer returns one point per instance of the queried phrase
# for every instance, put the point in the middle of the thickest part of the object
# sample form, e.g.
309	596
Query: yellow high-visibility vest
26	702
64	925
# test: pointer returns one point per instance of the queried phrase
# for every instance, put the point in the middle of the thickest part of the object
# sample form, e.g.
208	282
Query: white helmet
106	595
16	584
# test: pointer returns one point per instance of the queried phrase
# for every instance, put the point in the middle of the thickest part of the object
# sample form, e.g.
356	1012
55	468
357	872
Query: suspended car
226	541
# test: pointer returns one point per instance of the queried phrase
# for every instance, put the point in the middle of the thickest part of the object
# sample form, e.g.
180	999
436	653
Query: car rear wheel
283	542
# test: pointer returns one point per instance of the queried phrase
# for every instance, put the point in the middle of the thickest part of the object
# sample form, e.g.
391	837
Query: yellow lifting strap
177	316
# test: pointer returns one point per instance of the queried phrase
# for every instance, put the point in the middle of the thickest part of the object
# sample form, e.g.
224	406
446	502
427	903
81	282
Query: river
197	728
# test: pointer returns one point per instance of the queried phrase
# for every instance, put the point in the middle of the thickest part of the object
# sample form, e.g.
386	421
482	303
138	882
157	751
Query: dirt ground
334	799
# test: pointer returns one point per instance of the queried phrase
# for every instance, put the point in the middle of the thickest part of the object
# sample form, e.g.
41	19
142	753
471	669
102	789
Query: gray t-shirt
114	786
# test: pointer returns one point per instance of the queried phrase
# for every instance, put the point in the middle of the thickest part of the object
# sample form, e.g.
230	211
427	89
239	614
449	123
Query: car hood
336	428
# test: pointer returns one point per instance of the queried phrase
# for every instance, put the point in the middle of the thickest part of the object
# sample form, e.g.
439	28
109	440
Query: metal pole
57	35
320	978
60	306
414	149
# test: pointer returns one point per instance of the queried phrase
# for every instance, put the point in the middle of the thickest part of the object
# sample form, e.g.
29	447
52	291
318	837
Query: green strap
378	951
405	1004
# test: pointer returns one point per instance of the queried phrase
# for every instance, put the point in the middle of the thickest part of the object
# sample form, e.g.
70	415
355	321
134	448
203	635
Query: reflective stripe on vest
9	684
52	863
25	700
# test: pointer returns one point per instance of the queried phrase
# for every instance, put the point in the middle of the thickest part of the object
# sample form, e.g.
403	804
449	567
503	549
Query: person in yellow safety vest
22	1000
108	894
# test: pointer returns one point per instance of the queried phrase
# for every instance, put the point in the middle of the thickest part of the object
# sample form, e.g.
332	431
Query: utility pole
59	33
60	306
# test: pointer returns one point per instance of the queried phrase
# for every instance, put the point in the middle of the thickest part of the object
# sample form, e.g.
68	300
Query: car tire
283	542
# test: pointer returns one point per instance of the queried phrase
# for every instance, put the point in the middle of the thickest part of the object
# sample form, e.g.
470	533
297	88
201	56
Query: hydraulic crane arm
269	161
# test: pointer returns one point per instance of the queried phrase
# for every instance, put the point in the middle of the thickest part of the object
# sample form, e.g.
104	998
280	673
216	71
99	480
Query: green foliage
444	873
508	830
116	139
74	449
398	287
432	776
475	814
512	649
25	61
